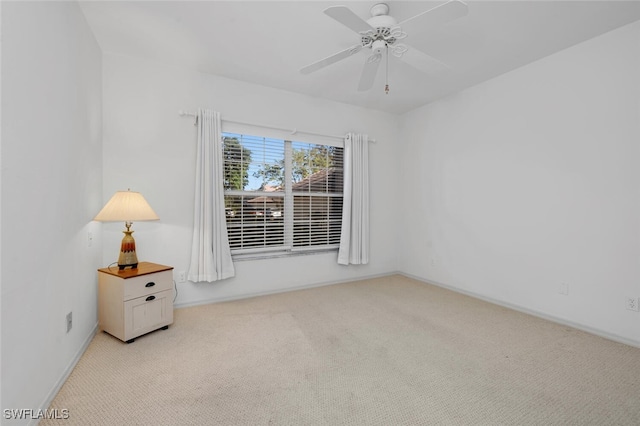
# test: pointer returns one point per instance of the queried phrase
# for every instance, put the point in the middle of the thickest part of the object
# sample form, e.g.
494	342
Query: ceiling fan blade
331	59
439	15
369	72
346	17
423	62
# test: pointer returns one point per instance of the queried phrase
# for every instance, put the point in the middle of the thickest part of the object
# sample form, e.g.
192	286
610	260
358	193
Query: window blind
280	195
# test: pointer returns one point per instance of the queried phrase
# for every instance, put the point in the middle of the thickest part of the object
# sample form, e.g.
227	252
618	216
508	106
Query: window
281	196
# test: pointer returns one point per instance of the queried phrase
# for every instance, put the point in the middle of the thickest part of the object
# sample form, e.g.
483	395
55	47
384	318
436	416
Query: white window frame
287	248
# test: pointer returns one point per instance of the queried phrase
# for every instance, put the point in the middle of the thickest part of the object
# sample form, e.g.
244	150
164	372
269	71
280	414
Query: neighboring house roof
320	181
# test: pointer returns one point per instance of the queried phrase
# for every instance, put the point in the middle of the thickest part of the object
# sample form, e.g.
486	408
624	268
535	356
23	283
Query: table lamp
127	206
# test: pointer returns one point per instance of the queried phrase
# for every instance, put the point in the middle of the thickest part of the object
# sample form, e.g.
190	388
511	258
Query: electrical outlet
89	239
182	277
563	289
632	304
69	321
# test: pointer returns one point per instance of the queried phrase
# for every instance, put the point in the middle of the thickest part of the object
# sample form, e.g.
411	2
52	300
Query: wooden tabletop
143	268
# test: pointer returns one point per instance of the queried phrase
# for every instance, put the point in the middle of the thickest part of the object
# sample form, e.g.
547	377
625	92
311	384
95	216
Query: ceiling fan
381	33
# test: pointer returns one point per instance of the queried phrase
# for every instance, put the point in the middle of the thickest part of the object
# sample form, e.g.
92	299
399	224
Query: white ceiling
267	42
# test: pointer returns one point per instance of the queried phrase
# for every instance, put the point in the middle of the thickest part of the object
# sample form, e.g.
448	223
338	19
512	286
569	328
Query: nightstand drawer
147	313
147	284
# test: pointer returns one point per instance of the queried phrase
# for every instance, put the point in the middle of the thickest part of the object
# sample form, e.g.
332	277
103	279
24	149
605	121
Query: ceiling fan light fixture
378	47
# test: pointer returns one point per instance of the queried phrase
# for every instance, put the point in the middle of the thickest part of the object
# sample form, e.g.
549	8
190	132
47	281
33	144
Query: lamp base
127	256
123	267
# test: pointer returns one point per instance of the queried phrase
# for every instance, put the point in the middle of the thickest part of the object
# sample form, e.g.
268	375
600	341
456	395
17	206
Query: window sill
277	255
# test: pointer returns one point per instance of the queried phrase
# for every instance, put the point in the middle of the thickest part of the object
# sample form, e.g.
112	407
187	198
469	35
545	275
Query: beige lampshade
126	206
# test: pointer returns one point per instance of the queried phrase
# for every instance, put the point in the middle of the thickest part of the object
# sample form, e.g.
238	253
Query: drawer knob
150	298
150	284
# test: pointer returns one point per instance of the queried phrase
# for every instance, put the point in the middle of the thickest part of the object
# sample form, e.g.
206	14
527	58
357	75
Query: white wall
51	188
149	148
531	180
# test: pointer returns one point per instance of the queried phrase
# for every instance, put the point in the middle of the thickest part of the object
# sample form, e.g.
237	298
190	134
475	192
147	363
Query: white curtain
354	238
210	252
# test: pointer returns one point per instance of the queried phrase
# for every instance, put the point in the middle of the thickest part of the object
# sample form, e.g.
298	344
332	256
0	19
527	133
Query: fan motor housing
378	46
382	21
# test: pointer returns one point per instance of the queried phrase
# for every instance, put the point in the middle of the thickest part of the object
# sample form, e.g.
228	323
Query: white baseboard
525	310
284	290
65	375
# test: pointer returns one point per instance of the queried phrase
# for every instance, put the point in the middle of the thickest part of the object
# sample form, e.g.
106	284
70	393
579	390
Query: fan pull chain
386	86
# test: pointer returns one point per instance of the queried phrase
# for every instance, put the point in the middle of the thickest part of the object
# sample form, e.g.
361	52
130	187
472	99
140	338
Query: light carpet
385	351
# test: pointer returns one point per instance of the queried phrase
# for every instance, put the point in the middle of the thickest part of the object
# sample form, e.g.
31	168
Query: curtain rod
293	132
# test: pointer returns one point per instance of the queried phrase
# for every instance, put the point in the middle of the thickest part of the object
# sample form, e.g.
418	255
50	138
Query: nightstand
133	302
